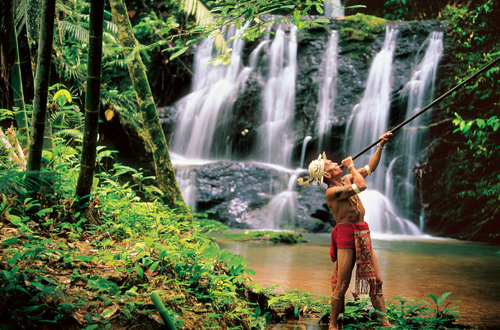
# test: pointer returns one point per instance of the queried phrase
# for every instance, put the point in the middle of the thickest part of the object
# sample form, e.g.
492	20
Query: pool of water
410	267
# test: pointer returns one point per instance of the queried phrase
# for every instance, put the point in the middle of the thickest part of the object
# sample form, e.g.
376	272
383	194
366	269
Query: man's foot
387	324
333	327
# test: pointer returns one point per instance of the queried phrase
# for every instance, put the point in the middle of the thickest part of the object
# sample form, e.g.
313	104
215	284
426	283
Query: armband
355	188
367	168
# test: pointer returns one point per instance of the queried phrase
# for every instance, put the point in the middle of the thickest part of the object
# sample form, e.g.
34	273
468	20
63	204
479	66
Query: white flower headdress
316	171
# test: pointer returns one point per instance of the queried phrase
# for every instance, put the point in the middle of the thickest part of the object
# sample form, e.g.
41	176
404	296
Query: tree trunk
92	100
42	81
165	174
16	79
32	30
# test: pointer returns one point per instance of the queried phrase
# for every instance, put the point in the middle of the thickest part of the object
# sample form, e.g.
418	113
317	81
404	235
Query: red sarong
355	236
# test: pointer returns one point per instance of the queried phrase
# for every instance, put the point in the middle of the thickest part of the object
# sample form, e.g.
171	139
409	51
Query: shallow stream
410	267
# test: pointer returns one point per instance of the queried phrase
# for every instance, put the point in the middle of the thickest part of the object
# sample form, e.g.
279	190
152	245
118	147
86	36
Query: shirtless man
351	243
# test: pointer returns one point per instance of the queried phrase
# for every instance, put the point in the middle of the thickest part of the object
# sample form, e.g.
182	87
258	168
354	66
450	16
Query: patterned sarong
355	236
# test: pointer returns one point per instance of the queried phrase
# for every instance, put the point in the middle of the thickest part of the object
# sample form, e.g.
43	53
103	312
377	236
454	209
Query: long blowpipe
430	105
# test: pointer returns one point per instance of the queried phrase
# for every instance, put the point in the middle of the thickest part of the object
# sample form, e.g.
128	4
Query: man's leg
378	300
346	259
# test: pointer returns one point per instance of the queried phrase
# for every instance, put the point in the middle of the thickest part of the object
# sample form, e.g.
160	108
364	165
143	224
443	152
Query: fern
18	183
79	33
71	133
204	18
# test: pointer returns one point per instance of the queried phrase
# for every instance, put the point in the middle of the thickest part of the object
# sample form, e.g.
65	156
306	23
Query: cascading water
333	8
325	110
369	121
274	145
370	117
418	92
203	114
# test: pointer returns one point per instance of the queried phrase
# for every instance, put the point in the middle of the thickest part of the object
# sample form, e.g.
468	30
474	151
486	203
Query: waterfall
418	92
278	98
204	113
369	120
370	117
325	109
333	8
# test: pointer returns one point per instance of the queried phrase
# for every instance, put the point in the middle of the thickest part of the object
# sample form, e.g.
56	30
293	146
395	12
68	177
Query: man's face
332	168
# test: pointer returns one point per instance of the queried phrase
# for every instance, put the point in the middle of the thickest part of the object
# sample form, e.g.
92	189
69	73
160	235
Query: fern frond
19	183
204	18
79	33
72	133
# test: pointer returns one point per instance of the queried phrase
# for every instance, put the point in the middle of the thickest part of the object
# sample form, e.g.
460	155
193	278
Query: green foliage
466	190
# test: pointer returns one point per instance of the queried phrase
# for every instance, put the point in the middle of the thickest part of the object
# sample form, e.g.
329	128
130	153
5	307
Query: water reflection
410	268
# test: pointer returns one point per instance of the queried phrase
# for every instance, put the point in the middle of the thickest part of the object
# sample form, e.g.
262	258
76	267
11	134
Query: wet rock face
236	193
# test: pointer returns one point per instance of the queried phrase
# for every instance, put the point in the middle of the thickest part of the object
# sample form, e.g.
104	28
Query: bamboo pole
163	311
17	81
41	86
92	100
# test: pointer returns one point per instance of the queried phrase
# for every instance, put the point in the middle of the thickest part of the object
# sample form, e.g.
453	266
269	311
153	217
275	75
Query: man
350	239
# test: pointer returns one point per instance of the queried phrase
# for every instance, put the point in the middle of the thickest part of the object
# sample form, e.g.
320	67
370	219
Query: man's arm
375	160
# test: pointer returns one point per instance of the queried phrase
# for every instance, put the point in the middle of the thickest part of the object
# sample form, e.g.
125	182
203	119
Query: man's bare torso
346	211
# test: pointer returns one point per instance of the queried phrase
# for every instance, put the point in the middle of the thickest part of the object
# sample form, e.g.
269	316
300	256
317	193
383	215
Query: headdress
316	170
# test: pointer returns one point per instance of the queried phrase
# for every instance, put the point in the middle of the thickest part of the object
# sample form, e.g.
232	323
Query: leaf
321	20
83	258
15	220
356	6
433	296
139	271
12	240
62	97
443	297
178	53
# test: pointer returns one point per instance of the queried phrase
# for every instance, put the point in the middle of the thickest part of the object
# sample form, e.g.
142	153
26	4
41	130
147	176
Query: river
410	267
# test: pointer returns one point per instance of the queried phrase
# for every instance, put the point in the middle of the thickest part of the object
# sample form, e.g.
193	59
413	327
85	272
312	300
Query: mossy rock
365	23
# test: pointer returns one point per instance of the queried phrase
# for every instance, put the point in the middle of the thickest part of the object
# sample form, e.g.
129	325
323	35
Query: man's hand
385	137
347	162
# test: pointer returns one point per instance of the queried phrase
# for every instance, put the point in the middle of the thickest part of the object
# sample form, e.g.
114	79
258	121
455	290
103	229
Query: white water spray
325	109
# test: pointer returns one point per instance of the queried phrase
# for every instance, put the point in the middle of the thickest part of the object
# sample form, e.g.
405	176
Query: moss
358	33
266	236
365	23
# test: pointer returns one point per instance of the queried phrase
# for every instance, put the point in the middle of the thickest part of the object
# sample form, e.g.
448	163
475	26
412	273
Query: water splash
325	109
382	218
274	145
